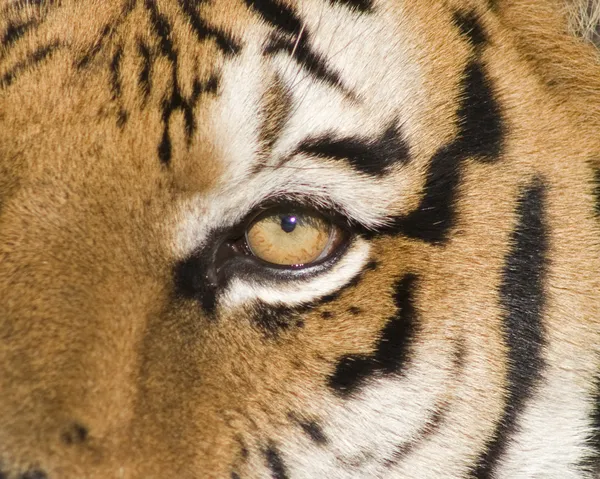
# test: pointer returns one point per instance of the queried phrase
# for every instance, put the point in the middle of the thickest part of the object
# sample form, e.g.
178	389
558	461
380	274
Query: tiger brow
372	156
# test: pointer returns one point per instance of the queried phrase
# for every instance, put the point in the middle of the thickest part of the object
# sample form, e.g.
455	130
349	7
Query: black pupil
288	223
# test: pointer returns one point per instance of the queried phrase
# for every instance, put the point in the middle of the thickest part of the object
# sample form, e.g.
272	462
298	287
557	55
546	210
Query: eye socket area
293	238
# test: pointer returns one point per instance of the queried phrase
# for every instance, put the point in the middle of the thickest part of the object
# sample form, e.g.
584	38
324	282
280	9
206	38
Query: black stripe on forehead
363	6
480	136
15	30
470	27
32	60
373	156
313	62
522	296
106	34
277	14
204	31
176	100
293	38
392	350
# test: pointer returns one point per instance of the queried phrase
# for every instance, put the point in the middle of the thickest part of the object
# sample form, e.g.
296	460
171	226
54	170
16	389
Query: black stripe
367	155
14	31
203	31
162	28
480	117
522	298
392	349
470	27
176	101
277	14
275	463
107	32
481	136
287	22
85	60
145	75
591	463
193	278
315	432
116	87
363	6
314	63
32	60
115	73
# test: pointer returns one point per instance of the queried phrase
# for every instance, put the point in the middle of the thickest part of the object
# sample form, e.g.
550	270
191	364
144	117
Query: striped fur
456	334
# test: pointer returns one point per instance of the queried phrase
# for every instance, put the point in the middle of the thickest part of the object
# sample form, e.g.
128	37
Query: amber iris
292	238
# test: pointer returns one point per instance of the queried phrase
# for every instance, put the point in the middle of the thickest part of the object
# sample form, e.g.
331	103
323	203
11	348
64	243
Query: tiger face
275	239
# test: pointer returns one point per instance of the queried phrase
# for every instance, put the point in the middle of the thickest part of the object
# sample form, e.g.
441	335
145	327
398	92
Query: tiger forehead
235	102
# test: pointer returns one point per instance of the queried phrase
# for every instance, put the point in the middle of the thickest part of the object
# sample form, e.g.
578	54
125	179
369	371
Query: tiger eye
292	239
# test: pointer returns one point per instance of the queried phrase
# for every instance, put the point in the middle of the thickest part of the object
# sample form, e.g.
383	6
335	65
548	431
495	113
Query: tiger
299	239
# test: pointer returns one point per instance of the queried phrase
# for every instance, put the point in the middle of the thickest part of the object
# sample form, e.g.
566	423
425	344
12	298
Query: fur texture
456	332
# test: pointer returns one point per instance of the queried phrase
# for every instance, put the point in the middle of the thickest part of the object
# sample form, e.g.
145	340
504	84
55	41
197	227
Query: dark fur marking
480	117
367	155
480	136
176	101
277	14
85	60
203	31
372	265
235	476
591	463
32	60
314	431
106	33
75	434
14	31
145	75
469	26
354	310
115	84
326	315
192	280
275	463
362	6
522	297
313	62
392	349
289	27
163	29
272	320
